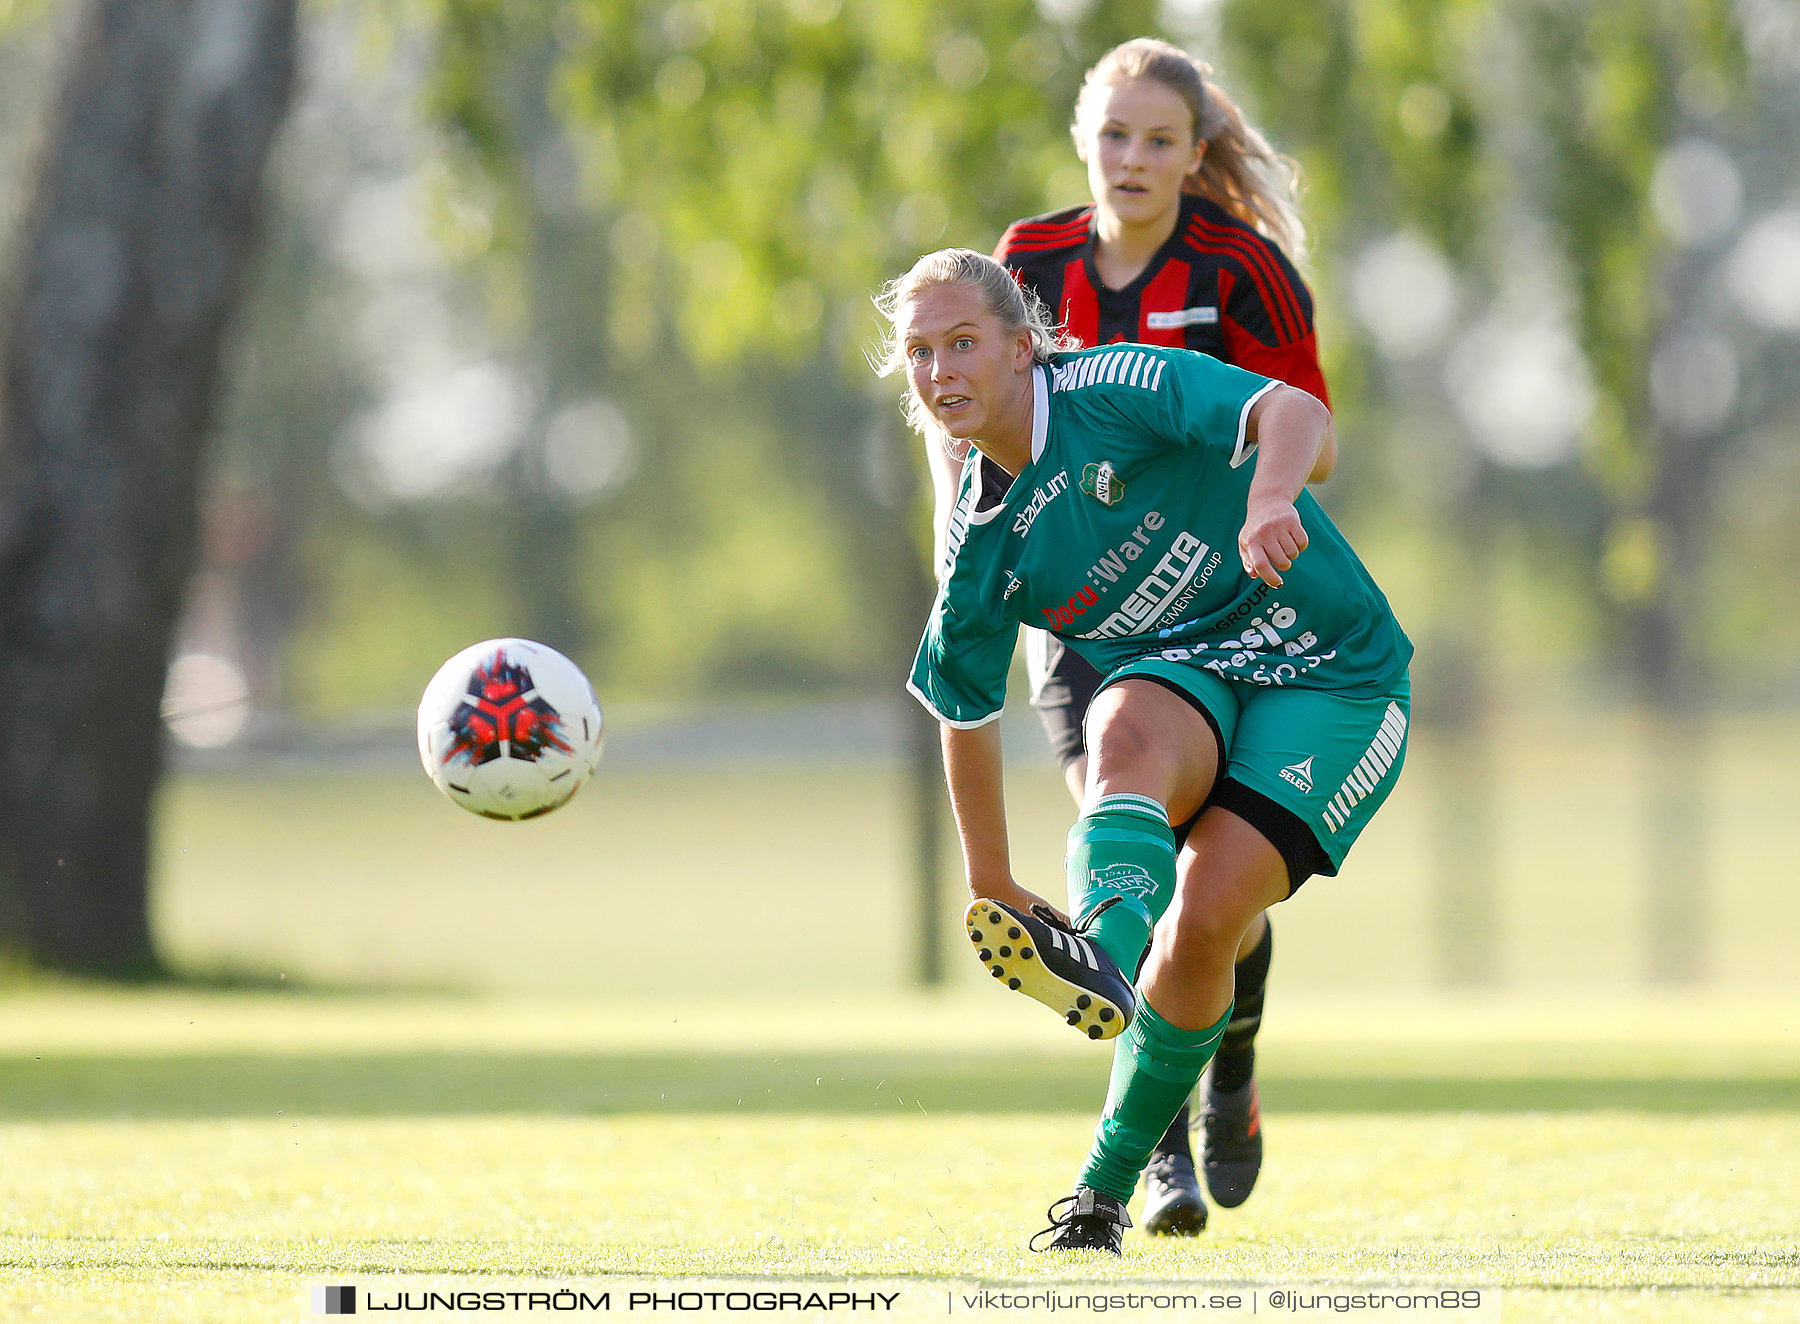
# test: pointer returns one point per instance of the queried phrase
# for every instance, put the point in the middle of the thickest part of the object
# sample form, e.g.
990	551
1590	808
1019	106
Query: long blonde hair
1017	308
1240	171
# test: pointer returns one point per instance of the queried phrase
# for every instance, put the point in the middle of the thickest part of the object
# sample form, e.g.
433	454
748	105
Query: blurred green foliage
681	207
20	13
761	166
1520	134
691	204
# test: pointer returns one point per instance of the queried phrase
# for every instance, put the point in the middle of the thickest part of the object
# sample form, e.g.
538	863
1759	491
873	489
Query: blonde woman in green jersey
1147	506
1189	239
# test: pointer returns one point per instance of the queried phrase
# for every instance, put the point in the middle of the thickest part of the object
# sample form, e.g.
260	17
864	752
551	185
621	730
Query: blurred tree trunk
129	262
1679	884
914	592
567	298
1455	701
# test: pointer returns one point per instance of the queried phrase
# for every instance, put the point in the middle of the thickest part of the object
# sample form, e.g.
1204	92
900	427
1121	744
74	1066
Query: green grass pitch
214	1155
672	1035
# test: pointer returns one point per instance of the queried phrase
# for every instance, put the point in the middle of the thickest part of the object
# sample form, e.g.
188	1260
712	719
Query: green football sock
1155	1068
1122	847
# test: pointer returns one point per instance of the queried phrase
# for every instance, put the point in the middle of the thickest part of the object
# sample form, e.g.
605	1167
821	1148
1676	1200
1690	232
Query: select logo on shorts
1127	878
1101	481
334	1300
1299	774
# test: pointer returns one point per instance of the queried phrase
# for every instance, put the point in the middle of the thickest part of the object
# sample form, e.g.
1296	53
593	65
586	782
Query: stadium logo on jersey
1299	774
1202	315
1127	878
1101	481
1040	498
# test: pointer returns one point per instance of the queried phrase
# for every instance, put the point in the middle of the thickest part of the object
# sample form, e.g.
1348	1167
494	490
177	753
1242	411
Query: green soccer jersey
1120	537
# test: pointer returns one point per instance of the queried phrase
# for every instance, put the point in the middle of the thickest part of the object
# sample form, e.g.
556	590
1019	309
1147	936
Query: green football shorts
1329	760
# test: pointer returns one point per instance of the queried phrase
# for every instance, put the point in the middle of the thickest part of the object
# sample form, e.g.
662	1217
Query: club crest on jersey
1101	481
1127	878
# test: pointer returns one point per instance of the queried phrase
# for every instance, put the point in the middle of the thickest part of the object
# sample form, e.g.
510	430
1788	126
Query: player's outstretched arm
1328	452
1293	435
973	772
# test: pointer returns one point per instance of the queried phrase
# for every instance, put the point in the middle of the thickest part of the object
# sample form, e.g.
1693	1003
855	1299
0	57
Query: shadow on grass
19	978
69	1087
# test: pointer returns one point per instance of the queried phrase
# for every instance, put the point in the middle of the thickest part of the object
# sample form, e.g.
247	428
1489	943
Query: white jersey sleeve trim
956	525
946	479
932	708
1042	650
1245	448
1040	411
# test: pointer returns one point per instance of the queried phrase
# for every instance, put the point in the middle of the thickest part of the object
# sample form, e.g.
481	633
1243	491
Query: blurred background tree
753	171
758	169
128	266
558	330
1551	210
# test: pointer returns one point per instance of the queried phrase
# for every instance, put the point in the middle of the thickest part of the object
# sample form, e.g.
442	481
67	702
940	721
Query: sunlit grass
669	1031
227	1152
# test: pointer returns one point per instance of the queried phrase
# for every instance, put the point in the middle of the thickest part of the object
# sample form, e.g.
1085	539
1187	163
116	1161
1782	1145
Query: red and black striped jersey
1216	286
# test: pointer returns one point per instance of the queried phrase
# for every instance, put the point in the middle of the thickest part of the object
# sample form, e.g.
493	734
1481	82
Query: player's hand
1019	898
1272	537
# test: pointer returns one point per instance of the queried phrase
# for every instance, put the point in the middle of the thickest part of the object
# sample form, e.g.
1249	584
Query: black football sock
1175	1139
1236	1059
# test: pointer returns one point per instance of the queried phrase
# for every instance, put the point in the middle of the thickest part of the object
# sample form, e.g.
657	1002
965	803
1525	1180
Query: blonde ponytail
1247	177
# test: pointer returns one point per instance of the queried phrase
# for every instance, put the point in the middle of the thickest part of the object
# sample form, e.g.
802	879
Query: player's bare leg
1230	1116
1173	1204
1230	874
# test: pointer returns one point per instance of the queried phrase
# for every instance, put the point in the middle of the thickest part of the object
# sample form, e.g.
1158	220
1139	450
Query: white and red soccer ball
509	729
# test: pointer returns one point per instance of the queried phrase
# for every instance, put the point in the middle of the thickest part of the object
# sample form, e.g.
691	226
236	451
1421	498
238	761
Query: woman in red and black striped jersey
1185	243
